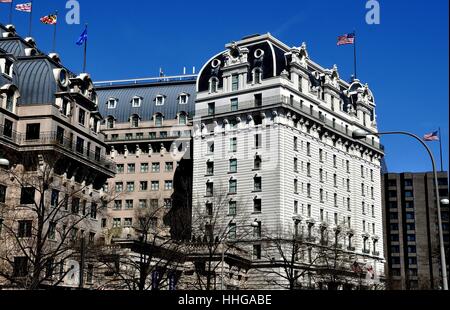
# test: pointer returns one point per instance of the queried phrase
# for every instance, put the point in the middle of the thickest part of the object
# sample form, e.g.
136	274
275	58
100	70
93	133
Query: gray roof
35	80
13	46
124	94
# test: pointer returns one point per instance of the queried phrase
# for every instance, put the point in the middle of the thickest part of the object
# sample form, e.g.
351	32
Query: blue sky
404	59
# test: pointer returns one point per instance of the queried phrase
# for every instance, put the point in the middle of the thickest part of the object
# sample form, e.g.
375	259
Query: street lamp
362	134
4	162
254	224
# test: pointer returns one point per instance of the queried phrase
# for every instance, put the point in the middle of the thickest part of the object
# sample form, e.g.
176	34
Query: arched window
158	120
213	85
135	121
182	118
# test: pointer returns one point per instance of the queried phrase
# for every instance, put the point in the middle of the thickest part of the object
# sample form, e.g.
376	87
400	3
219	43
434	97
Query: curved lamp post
361	134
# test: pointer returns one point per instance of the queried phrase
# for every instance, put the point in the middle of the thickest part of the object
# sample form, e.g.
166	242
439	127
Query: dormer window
213	84
136	102
183	99
112	103
7	69
159	100
8	97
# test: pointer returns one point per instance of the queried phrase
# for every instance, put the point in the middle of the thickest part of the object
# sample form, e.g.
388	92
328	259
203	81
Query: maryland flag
49	19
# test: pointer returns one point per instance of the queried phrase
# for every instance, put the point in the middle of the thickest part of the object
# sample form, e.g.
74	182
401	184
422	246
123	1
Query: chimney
193	70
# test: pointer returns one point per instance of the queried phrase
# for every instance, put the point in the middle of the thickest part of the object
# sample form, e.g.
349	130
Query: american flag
24	7
348	38
49	19
434	136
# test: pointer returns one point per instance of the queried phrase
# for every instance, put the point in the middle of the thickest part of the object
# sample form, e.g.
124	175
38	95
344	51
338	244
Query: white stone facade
304	141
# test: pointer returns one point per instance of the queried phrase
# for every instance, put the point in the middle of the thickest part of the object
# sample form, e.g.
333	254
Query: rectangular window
155	186
27	195
169	166
54	201
233	165
232	231
296	186
33	131
117	222
155	167
168	185
232	208
142	203
120	168
258	100
210	168
233	144
257	184
308	190
144	168
234	82
295	164
143	186
128	222
130	186
257	230
257	251
209	189
295	144
168	202
258	140
211	108
82	117
232	188
154	203
210	147
131	168
80	145
308	148
234	104
20	267
257	206
25	229
295	206
117	204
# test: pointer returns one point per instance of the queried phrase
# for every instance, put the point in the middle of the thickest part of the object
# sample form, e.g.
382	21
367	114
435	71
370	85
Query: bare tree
292	255
147	262
217	231
42	221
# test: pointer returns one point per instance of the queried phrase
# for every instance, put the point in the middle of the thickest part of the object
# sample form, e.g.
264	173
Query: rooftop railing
162	79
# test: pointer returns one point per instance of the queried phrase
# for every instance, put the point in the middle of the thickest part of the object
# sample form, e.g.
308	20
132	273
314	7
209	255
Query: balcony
366	251
55	140
298	106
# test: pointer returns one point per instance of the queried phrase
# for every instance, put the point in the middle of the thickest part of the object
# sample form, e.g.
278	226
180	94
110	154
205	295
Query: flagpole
85	52
31	19
354	53
440	149
54	32
11	12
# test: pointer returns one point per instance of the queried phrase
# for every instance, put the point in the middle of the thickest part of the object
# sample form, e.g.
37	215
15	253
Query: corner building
273	132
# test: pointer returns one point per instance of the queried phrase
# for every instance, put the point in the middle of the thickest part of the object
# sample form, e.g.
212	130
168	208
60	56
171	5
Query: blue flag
83	37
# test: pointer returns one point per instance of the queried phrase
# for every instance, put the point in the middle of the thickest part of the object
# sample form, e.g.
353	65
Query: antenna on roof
161	73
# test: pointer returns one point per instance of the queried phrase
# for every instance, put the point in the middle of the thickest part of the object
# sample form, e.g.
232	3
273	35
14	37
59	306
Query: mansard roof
124	94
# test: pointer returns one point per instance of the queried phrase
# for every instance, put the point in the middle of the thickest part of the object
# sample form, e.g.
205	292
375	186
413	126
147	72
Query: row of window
159	100
145	167
143	186
151	135
135	120
143	203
